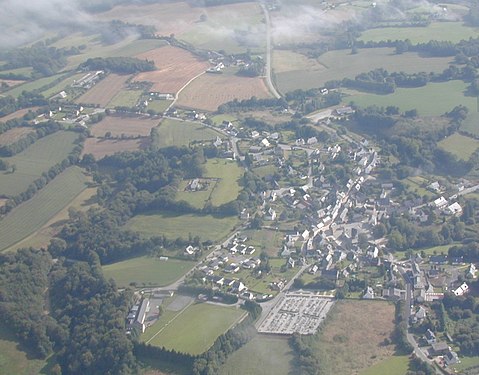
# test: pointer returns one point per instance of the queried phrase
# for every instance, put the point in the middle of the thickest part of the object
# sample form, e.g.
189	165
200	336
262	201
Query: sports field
461	146
36	159
174	225
128	125
34	213
147	270
196	328
182	133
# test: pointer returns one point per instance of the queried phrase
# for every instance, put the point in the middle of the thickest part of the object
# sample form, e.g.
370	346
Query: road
269	82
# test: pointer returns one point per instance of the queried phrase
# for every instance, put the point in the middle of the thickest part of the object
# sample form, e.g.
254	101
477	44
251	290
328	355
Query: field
433	99
104	91
294	71
17	114
471	123
129	126
352	338
34	213
147	271
209	91
173	225
261	356
229	173
266	240
33	85
61	85
36	159
10	83
14	134
446	31
461	146
100	148
396	365
126	98
182	133
175	68
196	328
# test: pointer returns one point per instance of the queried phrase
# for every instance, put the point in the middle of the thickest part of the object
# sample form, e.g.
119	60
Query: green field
173	225
446	31
471	123
125	98
227	187
26	71
266	240
196	328
197	199
37	211
433	99
261	356
33	85
461	146
396	365
61	85
159	106
182	133
36	159
147	270
467	363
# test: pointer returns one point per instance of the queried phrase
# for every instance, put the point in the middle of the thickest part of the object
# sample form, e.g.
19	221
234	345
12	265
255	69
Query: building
439	348
369	293
430	337
140	317
451	358
461	290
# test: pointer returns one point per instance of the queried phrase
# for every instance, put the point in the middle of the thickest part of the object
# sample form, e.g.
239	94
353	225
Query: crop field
182	133
37	211
209	91
196	328
104	91
461	146
173	225
100	148
445	31
175	67
295	71
17	114
434	99
126	98
261	356
147	271
127	125
352	338
227	187
36	159
33	85
14	134
471	123
395	365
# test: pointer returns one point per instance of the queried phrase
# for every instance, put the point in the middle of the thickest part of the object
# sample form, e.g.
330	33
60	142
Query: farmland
31	215
17	114
395	365
181	133
175	67
295	71
100	148
104	91
36	85
209	91
14	134
261	356
147	270
127	125
126	98
471	123
62	85
227	187
461	146
196	328
173	225
36	159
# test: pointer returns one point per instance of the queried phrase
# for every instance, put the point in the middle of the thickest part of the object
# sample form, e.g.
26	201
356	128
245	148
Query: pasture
10	83
173	225
471	123
182	133
36	159
100	148
197	199
125	98
195	328
395	365
175	68
434	99
147	271
104	91
128	125
62	85
459	145
263	355
294	71
37	211
36	85
14	134
228	174
17	114
209	91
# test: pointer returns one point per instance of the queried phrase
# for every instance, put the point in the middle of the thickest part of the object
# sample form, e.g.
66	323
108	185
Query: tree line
122	65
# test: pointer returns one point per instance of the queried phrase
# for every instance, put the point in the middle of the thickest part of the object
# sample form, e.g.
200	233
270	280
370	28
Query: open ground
127	125
461	146
17	114
229	174
182	133
104	91
14	134
100	148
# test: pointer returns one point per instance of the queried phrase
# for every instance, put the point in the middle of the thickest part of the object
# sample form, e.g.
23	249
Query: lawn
196	328
37	211
471	123
459	145
433	99
446	31
125	98
395	365
146	270
182	133
36	159
261	356
227	186
174	225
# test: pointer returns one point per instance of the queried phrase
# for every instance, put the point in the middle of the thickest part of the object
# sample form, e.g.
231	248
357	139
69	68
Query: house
271	215
421	313
461	290
454	209
434	187
430	337
190	250
369	293
312	141
332	275
451	358
265	143
439	348
438	259
313	269
291	262
238	287
440	202
471	271
231	268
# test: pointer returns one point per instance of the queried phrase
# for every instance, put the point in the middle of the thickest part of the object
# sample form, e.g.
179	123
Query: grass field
61	85
261	356
159	106
147	270
433	99
104	91
395	365
31	215
295	71
33	85
197	199
467	363
100	148
174	225
471	123
17	114
446	31
14	134
266	240
182	133
127	125
461	146
196	328
227	187
36	159
125	98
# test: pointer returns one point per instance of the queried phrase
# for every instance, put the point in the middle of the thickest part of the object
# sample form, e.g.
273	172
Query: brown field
176	67
18	114
130	126
104	91
14	134
354	334
210	90
104	147
11	83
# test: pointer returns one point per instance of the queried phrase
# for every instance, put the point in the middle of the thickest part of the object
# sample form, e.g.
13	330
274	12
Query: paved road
269	82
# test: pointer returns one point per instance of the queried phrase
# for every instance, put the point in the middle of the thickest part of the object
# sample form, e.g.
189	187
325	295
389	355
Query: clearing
14	134
128	125
461	146
182	133
100	148
104	91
